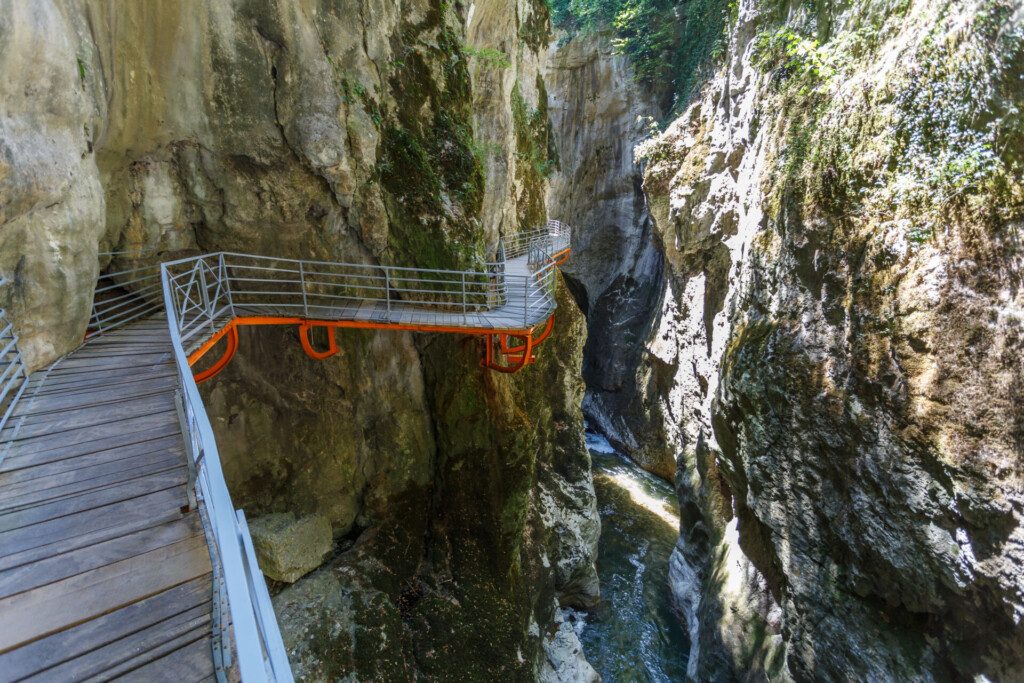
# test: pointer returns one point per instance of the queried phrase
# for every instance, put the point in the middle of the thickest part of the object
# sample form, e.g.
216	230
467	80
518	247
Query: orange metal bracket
561	257
231	332
515	350
332	343
518	355
518	362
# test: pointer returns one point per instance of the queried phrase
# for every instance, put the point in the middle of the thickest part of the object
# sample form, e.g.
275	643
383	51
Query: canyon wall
407	133
841	212
599	113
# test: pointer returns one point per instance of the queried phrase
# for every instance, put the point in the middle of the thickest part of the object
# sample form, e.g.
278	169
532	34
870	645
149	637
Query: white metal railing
208	291
257	638
124	296
12	369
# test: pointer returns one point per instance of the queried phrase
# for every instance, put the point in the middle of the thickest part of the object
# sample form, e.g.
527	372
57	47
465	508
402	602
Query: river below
635	634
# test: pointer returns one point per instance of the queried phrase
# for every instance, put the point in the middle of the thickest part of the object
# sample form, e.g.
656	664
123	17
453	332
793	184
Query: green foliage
670	43
488	56
646	35
483	151
703	38
428	166
536	154
792	56
81	69
535	142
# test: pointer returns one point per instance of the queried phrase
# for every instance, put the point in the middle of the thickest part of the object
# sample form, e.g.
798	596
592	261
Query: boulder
288	548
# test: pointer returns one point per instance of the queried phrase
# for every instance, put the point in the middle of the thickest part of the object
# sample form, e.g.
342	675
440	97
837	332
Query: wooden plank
141	648
23	455
93	499
153	341
94	383
94	464
101	341
103	360
33	543
122	624
98	379
120	350
50	608
191	663
105	367
54	568
54	425
40	486
93	438
79	399
108	369
32	496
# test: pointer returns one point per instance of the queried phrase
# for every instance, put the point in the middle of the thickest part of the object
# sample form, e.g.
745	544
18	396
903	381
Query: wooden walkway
104	567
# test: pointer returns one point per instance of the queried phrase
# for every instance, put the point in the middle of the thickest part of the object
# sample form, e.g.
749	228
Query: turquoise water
635	634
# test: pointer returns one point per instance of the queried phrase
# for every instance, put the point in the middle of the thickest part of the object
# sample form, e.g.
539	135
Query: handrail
258	643
112	309
210	290
13	374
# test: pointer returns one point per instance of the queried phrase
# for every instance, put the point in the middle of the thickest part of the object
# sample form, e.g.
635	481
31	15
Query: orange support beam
561	257
231	332
519	355
332	343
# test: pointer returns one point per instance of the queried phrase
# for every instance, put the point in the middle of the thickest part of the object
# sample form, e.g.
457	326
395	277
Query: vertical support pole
203	290
387	290
463	296
302	283
526	302
226	283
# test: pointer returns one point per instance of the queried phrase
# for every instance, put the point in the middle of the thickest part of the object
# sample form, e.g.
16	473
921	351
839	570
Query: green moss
428	166
926	143
536	154
535	32
488	56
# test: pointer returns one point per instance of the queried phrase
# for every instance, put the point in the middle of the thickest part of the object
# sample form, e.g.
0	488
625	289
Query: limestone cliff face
599	113
841	213
408	132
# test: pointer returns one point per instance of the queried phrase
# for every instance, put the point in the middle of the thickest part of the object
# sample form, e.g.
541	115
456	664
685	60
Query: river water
635	634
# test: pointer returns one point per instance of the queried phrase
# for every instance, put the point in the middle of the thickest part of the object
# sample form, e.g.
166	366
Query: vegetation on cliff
671	43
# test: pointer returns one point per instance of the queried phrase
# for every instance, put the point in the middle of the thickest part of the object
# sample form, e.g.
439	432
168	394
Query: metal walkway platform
210	296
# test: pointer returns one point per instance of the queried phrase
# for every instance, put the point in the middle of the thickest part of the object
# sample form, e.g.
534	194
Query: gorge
794	299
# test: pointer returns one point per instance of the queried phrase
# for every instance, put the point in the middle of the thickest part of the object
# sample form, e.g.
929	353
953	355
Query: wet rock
564	659
287	547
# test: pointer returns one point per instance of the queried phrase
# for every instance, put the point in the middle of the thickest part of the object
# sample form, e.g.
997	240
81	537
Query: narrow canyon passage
636	633
775	432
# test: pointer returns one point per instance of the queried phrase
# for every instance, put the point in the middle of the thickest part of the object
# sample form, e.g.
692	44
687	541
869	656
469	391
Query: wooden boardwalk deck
104	567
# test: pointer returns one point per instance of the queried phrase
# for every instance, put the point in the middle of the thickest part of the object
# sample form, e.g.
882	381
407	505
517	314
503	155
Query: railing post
226	283
202	288
387	291
302	283
526	301
463	296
